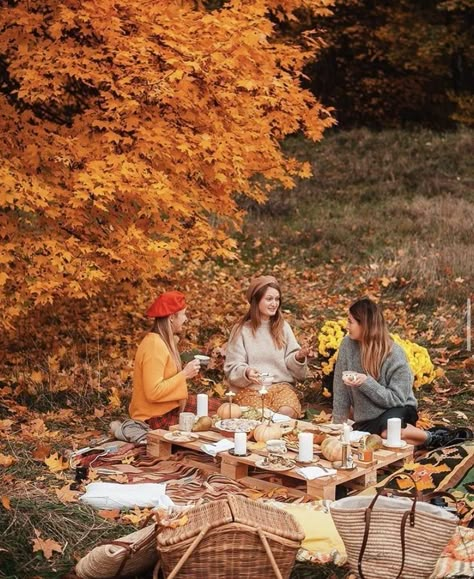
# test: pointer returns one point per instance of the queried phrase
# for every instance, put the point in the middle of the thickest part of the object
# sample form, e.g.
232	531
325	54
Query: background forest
155	145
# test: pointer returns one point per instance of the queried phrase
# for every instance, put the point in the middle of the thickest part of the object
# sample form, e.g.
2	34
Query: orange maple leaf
47	546
6	460
66	495
109	513
6	503
56	463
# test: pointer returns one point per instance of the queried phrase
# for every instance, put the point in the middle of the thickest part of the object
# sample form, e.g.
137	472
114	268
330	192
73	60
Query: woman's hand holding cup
192	369
253	376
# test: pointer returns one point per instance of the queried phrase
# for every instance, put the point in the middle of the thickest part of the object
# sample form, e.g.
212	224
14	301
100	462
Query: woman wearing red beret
160	392
263	342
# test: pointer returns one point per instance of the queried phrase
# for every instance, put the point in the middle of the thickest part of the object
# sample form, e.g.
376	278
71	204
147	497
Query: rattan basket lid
239	509
268	518
215	514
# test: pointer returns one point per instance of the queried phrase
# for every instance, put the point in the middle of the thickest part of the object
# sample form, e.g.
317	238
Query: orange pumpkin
228	410
331	449
266	431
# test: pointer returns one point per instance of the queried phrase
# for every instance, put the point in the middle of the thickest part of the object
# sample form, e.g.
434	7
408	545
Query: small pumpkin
373	441
318	436
331	448
266	431
228	410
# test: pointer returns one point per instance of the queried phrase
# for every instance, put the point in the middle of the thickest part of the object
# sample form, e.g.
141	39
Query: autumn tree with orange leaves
128	129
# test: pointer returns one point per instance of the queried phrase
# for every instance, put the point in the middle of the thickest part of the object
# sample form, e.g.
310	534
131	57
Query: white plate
237	425
266	411
261	463
180	436
401	445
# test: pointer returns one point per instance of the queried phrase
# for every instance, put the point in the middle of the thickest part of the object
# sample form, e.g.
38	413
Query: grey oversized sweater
393	388
258	351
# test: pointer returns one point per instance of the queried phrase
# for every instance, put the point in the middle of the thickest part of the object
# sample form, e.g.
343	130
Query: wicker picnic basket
235	538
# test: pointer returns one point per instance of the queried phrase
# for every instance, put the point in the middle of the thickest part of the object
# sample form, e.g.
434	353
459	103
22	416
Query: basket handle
188	552
268	551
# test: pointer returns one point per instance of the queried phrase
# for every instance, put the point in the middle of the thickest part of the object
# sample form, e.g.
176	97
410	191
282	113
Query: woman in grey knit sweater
381	382
263	342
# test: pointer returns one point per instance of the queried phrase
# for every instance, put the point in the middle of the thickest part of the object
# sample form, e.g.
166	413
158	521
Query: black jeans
407	414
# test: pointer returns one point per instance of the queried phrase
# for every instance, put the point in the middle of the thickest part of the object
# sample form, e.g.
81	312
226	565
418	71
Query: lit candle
202	405
240	443
394	431
305	444
263	391
347	432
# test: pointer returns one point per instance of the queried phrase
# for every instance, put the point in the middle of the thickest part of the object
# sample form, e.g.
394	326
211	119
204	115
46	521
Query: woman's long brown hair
375	343
253	316
162	327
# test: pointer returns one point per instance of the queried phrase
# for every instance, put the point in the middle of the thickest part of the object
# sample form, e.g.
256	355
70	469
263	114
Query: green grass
403	201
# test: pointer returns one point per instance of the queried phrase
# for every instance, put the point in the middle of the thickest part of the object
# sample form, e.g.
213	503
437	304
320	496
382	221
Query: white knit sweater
246	349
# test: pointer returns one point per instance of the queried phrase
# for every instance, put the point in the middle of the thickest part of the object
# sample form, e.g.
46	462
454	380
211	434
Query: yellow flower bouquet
331	335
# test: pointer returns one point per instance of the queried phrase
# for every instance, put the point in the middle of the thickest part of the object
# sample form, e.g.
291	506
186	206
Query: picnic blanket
449	469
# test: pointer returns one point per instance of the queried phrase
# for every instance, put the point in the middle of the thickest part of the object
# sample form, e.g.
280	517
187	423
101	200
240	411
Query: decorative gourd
331	448
202	424
319	436
266	431
373	441
228	410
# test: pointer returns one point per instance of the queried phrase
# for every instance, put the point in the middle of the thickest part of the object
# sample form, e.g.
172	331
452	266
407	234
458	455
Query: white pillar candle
394	430
305	444
347	432
240	443
202	405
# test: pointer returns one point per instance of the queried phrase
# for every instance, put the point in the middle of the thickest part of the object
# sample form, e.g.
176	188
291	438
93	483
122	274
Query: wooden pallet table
237	468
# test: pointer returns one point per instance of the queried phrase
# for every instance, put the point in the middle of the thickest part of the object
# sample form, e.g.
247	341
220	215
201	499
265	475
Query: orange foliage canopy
127	129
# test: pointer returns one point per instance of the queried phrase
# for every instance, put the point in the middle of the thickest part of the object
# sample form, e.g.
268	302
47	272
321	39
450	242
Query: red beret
166	304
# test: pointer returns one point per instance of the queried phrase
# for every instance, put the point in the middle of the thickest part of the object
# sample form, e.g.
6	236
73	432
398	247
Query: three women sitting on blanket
381	382
263	342
160	392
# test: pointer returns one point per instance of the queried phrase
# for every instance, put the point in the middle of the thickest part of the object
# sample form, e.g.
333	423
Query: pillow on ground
105	561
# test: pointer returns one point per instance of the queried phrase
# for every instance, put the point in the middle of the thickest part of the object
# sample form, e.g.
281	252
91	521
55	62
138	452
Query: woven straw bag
392	537
235	538
130	555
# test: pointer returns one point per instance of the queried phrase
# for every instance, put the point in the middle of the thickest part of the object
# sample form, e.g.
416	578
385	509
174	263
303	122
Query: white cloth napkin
280	417
221	446
356	435
312	472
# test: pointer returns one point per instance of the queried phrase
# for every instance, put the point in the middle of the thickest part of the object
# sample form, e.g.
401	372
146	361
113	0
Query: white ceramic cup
186	421
349	375
276	446
267	380
203	360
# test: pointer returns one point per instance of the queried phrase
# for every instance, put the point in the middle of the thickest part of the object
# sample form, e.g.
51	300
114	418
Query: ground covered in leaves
386	215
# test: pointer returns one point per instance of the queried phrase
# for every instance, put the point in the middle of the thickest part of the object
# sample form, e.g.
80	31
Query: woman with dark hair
263	342
380	384
160	391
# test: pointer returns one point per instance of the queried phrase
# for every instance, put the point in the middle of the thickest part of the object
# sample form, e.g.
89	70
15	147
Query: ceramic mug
186	421
276	446
203	360
349	375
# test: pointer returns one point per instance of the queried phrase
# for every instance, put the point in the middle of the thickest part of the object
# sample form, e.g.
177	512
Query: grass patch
401	200
77	528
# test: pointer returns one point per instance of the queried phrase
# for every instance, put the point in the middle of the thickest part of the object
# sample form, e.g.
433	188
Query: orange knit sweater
158	387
